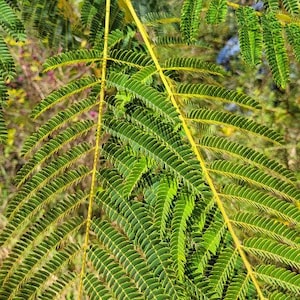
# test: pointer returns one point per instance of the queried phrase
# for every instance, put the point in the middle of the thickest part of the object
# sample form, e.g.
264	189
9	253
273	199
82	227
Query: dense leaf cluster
140	204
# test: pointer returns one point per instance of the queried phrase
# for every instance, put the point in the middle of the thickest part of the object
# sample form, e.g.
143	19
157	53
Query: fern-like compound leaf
21	273
46	151
115	277
120	156
267	227
270	250
55	22
3	130
182	212
293	35
20	216
138	227
192	64
43	227
145	74
239	288
80	56
223	270
7	65
241	123
250	36
13	27
257	178
129	259
272	5
292	6
72	88
217	11
281	296
57	264
163	228
71	58
59	286
215	93
96	289
284	211
156	18
279	278
160	196
48	173
156	150
131	58
275	49
139	168
149	95
222	145
56	122
10	22
190	20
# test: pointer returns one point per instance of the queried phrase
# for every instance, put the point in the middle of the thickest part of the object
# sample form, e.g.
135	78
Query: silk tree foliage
259	32
56	23
11	27
141	204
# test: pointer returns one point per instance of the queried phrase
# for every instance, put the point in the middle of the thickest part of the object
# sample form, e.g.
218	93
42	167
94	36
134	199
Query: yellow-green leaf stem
192	142
97	148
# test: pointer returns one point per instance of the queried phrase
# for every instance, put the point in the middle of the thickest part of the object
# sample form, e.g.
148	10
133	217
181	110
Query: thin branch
97	149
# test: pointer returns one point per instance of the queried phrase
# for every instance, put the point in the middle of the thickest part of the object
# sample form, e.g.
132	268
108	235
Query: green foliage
168	210
249	35
275	50
216	12
257	31
293	34
190	20
55	21
13	28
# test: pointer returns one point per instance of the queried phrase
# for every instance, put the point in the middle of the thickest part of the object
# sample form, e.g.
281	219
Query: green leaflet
275	49
222	145
50	148
10	22
266	203
250	36
192	64
130	259
239	288
217	11
182	211
280	277
293	34
190	20
14	28
267	227
56	122
70	89
7	64
216	93
72	57
239	122
257	178
3	131
269	250
223	270
160	196
292	6
118	281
